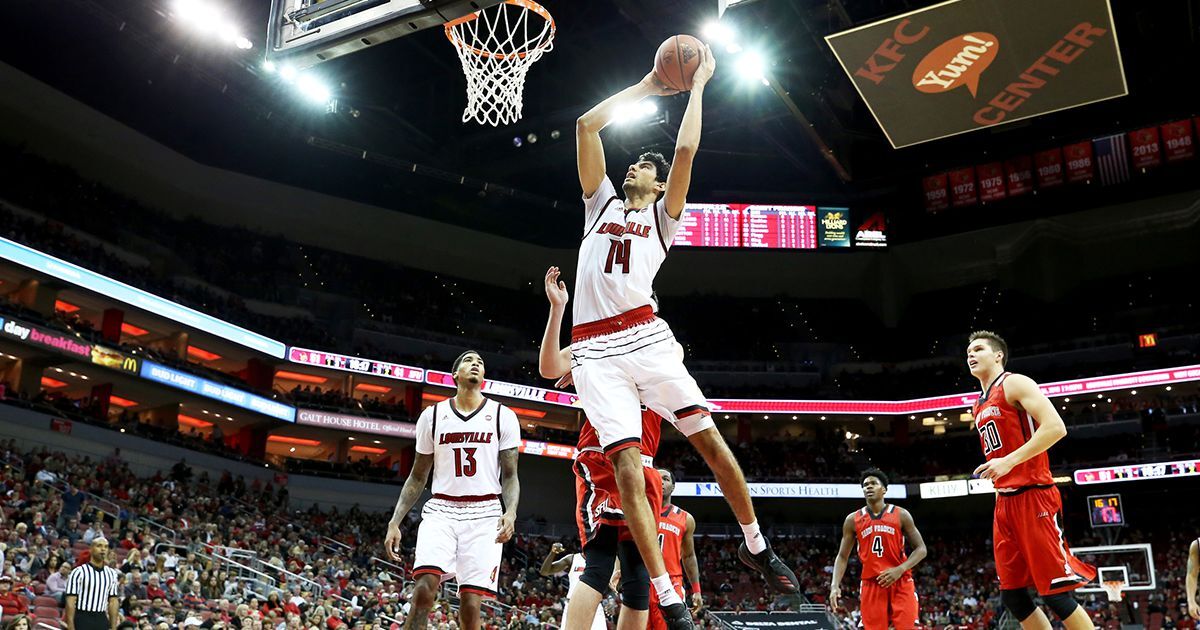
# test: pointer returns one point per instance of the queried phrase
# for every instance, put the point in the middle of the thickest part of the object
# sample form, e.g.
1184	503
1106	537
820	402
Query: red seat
38	588
46	611
47	622
45	600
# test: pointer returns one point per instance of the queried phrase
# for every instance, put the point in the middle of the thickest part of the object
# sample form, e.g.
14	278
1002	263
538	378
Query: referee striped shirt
92	587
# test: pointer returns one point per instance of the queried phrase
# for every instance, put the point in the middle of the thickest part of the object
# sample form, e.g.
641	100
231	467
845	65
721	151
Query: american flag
1112	159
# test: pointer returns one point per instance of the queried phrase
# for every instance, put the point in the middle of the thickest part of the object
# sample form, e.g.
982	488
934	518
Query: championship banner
964	65
936	198
1144	147
1177	140
991	181
1080	167
1019	175
962	187
1049	167
773	620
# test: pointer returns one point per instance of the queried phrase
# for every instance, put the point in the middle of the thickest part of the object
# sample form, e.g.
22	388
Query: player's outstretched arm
688	142
840	562
915	541
552	564
1193	573
691	567
553	360
589	151
413	487
510	494
1021	392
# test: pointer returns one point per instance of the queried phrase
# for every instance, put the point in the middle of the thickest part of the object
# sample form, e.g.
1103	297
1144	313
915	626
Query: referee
92	592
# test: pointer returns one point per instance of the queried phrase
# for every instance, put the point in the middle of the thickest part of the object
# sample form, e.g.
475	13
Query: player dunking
600	512
888	594
622	355
470	443
1017	425
675	534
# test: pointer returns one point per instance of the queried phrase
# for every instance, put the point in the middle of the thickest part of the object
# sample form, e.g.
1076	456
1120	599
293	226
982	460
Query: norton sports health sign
967	64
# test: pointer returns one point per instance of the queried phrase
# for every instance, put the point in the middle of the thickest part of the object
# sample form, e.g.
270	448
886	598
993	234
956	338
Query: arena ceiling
403	100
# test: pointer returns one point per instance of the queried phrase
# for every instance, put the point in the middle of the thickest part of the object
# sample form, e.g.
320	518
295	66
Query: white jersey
577	565
466	448
620	255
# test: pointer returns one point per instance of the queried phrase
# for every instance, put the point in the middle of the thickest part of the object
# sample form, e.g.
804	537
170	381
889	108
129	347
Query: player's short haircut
996	341
662	167
459	360
876	473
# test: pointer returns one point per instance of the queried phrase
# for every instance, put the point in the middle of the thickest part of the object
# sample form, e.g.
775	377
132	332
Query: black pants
91	621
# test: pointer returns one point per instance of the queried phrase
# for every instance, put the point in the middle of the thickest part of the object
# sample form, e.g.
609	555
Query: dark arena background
235	270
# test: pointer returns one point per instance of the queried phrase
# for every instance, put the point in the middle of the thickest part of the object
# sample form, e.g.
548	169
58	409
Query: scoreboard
747	226
1106	510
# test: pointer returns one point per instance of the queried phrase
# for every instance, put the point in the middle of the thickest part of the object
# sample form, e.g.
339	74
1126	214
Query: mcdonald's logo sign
1148	340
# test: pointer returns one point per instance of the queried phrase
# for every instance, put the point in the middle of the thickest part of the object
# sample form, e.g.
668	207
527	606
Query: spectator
12	602
56	584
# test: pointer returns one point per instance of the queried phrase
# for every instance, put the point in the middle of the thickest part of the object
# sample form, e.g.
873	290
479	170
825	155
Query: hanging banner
963	65
1145	149
936	198
991	181
1080	167
1018	173
1177	140
1049	167
962	187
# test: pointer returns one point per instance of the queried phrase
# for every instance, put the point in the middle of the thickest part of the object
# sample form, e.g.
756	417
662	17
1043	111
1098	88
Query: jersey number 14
618	255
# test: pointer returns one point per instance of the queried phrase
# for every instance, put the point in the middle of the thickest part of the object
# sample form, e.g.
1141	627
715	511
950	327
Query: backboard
1132	564
306	32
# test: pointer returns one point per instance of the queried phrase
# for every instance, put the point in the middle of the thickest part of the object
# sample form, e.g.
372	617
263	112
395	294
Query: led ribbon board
138	298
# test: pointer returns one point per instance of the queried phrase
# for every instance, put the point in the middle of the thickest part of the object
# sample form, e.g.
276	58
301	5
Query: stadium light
718	33
750	65
635	112
210	19
288	73
268	66
313	89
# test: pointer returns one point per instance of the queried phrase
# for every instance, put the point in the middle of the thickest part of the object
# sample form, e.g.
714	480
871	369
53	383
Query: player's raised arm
552	564
589	151
553	360
840	562
1022	393
688	142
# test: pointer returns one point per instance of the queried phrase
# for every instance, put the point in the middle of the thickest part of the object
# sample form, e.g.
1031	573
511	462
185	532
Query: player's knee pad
635	579
1018	602
600	556
1062	604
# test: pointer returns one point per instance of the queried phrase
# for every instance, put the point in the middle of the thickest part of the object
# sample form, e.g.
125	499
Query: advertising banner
964	65
788	490
216	391
833	227
773	620
344	422
872	232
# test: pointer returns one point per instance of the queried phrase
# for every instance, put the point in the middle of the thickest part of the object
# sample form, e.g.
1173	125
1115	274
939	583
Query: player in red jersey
888	594
603	533
675	530
1017	425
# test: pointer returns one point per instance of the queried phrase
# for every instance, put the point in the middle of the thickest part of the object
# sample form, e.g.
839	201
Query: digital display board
1106	510
1138	472
834	227
788	490
359	365
709	225
507	390
345	422
133	296
216	391
780	227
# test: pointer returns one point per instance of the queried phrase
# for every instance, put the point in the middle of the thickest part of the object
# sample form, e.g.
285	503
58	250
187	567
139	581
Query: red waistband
466	498
624	321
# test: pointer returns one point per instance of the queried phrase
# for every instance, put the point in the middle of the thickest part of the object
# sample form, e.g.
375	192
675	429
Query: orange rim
525	4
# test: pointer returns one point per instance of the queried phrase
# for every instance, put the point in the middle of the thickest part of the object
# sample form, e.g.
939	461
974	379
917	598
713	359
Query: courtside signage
358	365
787	490
344	422
138	298
956	488
547	449
1138	472
964	65
216	391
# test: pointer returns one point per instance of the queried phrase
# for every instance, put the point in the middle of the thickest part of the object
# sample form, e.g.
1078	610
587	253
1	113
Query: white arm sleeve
425	431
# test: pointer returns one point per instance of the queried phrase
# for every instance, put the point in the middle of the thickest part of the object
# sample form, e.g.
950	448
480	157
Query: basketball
676	61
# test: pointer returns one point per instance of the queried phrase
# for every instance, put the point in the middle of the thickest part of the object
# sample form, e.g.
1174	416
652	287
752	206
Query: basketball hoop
1113	589
496	47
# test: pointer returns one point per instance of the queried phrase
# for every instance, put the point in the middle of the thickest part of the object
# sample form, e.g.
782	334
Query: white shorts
599	622
616	373
457	539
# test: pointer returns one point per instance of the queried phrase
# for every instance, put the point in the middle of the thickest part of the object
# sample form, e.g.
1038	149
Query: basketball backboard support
1131	564
303	33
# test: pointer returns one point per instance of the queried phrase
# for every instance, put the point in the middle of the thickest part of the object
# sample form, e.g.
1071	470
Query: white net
496	47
